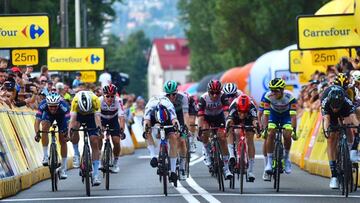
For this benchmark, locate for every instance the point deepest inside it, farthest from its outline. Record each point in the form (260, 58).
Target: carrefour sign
(327, 31)
(76, 59)
(24, 31)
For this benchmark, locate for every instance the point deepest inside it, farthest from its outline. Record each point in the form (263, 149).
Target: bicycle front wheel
(278, 167)
(346, 168)
(219, 170)
(107, 165)
(86, 164)
(188, 157)
(164, 167)
(242, 166)
(53, 166)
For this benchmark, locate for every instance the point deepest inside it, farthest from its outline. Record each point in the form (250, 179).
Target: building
(169, 60)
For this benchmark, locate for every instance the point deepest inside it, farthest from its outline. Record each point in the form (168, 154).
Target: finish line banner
(76, 59)
(327, 31)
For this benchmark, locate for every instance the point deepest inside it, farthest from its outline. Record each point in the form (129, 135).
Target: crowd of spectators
(311, 93)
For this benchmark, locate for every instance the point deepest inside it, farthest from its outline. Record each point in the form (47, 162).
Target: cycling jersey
(234, 114)
(95, 104)
(193, 109)
(210, 107)
(116, 108)
(262, 101)
(347, 108)
(181, 105)
(61, 116)
(154, 101)
(285, 104)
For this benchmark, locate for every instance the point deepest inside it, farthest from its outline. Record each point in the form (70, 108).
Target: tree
(224, 34)
(130, 57)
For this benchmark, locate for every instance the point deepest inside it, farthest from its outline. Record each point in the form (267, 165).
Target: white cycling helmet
(230, 88)
(53, 99)
(84, 101)
(356, 75)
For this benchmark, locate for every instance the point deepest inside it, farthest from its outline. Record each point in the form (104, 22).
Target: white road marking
(185, 193)
(196, 161)
(144, 157)
(201, 190)
(179, 195)
(194, 157)
(259, 156)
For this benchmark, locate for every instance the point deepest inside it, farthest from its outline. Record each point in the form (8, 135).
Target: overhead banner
(24, 57)
(327, 31)
(76, 59)
(24, 31)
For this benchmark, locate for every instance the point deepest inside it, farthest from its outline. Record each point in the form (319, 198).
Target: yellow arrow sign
(24, 31)
(327, 31)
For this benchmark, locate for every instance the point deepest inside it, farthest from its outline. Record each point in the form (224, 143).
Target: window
(169, 47)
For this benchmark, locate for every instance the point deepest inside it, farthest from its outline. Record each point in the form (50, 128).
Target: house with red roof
(168, 60)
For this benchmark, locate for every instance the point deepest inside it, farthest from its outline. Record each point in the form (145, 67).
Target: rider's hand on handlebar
(122, 134)
(294, 135)
(37, 137)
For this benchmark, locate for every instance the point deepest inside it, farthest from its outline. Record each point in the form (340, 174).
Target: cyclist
(266, 177)
(213, 106)
(112, 114)
(231, 91)
(50, 109)
(279, 109)
(85, 108)
(356, 88)
(193, 110)
(181, 104)
(243, 111)
(335, 105)
(159, 109)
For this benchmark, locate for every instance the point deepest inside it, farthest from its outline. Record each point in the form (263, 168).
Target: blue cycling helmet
(162, 115)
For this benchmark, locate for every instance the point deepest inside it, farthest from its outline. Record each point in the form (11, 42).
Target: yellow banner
(24, 31)
(76, 59)
(327, 31)
(88, 76)
(24, 56)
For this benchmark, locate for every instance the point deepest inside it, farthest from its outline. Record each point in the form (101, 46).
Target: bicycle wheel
(346, 168)
(164, 168)
(188, 157)
(278, 161)
(86, 164)
(242, 166)
(53, 166)
(356, 176)
(107, 164)
(220, 171)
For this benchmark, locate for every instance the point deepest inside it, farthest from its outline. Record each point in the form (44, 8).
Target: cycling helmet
(243, 103)
(214, 86)
(53, 99)
(162, 115)
(336, 97)
(110, 89)
(85, 101)
(341, 80)
(277, 83)
(170, 86)
(230, 88)
(356, 75)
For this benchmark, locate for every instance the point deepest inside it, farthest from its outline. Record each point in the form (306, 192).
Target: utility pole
(77, 24)
(64, 33)
(6, 6)
(84, 23)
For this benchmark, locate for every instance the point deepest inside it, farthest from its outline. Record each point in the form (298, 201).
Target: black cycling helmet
(337, 98)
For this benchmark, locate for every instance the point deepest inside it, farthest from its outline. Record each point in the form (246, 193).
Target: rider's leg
(182, 151)
(63, 144)
(117, 146)
(332, 141)
(75, 140)
(45, 138)
(270, 146)
(94, 142)
(173, 151)
(205, 140)
(192, 130)
(230, 145)
(251, 149)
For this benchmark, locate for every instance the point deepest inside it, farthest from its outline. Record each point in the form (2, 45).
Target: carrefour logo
(92, 59)
(33, 31)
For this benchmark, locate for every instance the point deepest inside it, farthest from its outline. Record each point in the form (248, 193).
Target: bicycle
(241, 157)
(185, 132)
(217, 163)
(343, 164)
(85, 161)
(163, 158)
(107, 157)
(54, 163)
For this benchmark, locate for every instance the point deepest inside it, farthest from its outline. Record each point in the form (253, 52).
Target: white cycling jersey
(154, 101)
(115, 109)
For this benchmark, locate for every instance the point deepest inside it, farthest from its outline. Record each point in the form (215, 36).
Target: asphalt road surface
(138, 182)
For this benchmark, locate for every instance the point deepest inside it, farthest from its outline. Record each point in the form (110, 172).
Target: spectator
(77, 80)
(3, 63)
(105, 78)
(44, 71)
(29, 70)
(3, 76)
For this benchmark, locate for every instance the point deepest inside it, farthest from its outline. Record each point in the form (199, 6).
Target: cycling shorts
(89, 119)
(215, 121)
(113, 125)
(279, 118)
(61, 121)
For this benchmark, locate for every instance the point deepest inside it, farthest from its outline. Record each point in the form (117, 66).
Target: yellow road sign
(327, 31)
(76, 59)
(88, 76)
(24, 31)
(24, 56)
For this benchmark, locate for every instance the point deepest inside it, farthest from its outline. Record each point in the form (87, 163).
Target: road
(138, 182)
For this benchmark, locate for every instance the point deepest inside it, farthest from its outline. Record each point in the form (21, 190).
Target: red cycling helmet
(110, 89)
(214, 86)
(243, 103)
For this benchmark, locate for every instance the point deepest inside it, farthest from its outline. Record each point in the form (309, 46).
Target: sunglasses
(110, 96)
(172, 94)
(53, 107)
(214, 93)
(231, 95)
(43, 81)
(276, 90)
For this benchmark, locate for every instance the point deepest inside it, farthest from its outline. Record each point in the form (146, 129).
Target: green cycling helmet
(170, 86)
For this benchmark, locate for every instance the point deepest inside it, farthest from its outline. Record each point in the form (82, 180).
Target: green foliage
(224, 34)
(130, 57)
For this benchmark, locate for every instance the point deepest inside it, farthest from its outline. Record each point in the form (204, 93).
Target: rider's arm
(201, 111)
(326, 116)
(225, 105)
(73, 115)
(293, 107)
(185, 108)
(39, 114)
